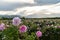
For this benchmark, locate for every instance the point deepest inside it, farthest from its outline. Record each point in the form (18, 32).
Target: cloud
(47, 10)
(46, 2)
(40, 9)
(29, 8)
(43, 15)
(11, 6)
(35, 11)
(55, 9)
(21, 1)
(7, 13)
(32, 10)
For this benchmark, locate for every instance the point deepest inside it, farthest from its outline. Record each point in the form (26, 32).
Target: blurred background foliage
(47, 26)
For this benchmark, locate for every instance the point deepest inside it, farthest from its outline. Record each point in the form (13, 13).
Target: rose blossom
(16, 21)
(23, 29)
(58, 26)
(38, 33)
(2, 26)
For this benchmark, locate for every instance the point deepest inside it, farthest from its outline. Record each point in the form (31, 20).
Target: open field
(50, 29)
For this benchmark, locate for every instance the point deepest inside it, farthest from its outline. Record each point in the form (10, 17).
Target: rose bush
(20, 29)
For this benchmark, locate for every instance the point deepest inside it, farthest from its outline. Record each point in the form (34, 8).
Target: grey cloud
(46, 2)
(11, 6)
(43, 15)
(36, 16)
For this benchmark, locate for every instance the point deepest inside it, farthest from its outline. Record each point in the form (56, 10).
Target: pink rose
(38, 33)
(2, 26)
(23, 29)
(16, 21)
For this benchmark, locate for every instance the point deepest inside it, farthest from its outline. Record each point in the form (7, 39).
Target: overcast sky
(30, 8)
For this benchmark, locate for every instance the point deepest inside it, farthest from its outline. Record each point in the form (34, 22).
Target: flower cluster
(2, 26)
(32, 30)
(23, 28)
